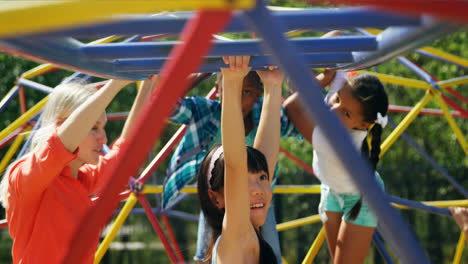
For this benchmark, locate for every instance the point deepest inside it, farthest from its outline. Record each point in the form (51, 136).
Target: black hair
(256, 162)
(251, 77)
(371, 94)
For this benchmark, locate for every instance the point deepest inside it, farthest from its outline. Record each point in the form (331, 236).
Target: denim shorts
(342, 203)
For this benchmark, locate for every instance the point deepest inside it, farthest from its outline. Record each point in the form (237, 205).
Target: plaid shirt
(203, 119)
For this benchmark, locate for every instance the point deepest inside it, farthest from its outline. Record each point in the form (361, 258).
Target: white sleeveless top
(328, 167)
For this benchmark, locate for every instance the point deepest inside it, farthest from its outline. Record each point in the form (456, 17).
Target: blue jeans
(269, 233)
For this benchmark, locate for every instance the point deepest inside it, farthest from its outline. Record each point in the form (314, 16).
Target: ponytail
(372, 142)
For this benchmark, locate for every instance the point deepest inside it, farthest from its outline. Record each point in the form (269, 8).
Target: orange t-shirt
(45, 202)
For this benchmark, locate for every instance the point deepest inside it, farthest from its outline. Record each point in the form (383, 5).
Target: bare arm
(77, 126)
(237, 202)
(267, 139)
(144, 92)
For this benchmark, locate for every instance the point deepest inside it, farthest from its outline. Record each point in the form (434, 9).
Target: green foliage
(405, 172)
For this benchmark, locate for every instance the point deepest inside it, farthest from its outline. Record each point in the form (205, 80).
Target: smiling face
(91, 147)
(348, 108)
(260, 197)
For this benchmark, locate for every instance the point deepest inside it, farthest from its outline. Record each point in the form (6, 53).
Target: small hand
(271, 78)
(460, 214)
(238, 67)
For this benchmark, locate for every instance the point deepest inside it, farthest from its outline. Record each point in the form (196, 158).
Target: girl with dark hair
(234, 181)
(361, 104)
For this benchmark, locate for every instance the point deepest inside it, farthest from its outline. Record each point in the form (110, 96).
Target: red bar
(453, 10)
(458, 95)
(173, 239)
(22, 100)
(174, 80)
(455, 106)
(166, 150)
(298, 161)
(3, 224)
(157, 227)
(10, 137)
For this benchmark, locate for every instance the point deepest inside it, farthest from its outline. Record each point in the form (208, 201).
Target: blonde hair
(61, 103)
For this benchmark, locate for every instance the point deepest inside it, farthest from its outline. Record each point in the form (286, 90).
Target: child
(234, 183)
(361, 104)
(203, 118)
(47, 190)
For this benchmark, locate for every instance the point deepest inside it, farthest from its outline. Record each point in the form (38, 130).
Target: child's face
(348, 108)
(91, 147)
(250, 94)
(260, 197)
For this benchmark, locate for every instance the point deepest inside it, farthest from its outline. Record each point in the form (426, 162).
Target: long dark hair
(256, 162)
(371, 94)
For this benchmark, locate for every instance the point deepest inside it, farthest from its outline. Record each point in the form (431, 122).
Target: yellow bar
(115, 228)
(279, 189)
(453, 125)
(405, 123)
(314, 249)
(284, 260)
(12, 150)
(460, 247)
(400, 80)
(440, 204)
(298, 222)
(294, 33)
(23, 119)
(447, 56)
(29, 16)
(452, 82)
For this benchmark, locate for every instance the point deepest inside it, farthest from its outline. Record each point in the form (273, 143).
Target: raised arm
(267, 139)
(236, 190)
(77, 126)
(144, 92)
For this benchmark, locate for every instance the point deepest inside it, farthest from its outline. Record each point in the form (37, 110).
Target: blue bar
(317, 18)
(183, 215)
(432, 161)
(381, 248)
(35, 85)
(225, 48)
(213, 64)
(398, 40)
(395, 229)
(419, 206)
(64, 53)
(8, 97)
(420, 72)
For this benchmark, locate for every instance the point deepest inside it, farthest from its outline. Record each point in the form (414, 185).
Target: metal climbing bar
(12, 150)
(438, 54)
(314, 249)
(379, 245)
(317, 18)
(8, 97)
(424, 111)
(198, 36)
(25, 17)
(458, 133)
(434, 164)
(224, 48)
(35, 85)
(271, 31)
(460, 247)
(157, 227)
(405, 123)
(419, 206)
(23, 119)
(213, 64)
